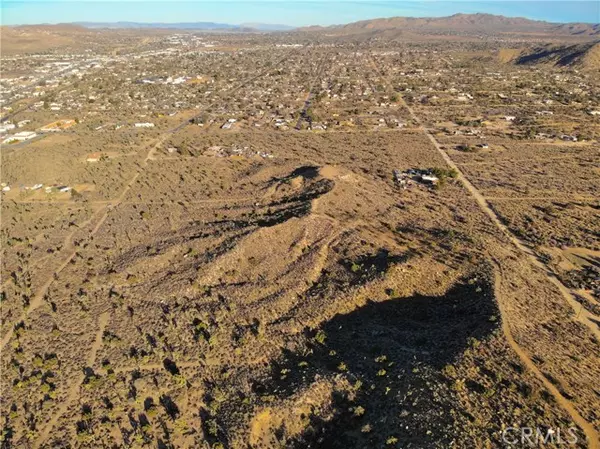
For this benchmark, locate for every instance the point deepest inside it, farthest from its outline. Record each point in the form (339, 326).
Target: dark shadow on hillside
(393, 352)
(561, 55)
(306, 171)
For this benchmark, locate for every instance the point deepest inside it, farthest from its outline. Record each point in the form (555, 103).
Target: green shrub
(320, 337)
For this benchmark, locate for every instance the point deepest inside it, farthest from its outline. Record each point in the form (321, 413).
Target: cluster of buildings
(54, 188)
(323, 88)
(522, 102)
(414, 176)
(236, 151)
(20, 137)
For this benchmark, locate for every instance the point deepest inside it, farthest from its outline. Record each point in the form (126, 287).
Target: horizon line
(79, 22)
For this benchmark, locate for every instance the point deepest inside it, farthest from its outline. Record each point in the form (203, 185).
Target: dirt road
(580, 314)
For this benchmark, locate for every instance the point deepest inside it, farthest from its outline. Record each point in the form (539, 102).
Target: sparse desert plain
(378, 235)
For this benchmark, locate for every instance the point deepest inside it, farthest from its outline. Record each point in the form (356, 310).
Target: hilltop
(37, 37)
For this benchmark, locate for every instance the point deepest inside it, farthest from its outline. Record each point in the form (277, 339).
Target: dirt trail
(73, 392)
(540, 198)
(41, 293)
(110, 205)
(67, 244)
(496, 162)
(581, 315)
(588, 428)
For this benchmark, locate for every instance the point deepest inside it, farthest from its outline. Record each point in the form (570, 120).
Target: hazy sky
(296, 13)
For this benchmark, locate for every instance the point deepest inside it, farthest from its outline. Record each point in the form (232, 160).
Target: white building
(144, 125)
(7, 126)
(20, 136)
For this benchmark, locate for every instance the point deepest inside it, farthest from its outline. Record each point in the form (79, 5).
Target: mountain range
(461, 23)
(188, 26)
(31, 38)
(485, 23)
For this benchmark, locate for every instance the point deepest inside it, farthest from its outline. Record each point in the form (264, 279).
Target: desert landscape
(384, 234)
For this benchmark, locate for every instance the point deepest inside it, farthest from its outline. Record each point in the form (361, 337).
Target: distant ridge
(187, 26)
(267, 26)
(461, 22)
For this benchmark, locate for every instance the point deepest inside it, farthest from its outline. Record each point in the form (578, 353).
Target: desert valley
(384, 234)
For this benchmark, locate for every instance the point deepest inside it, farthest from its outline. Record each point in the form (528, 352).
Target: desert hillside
(38, 38)
(583, 56)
